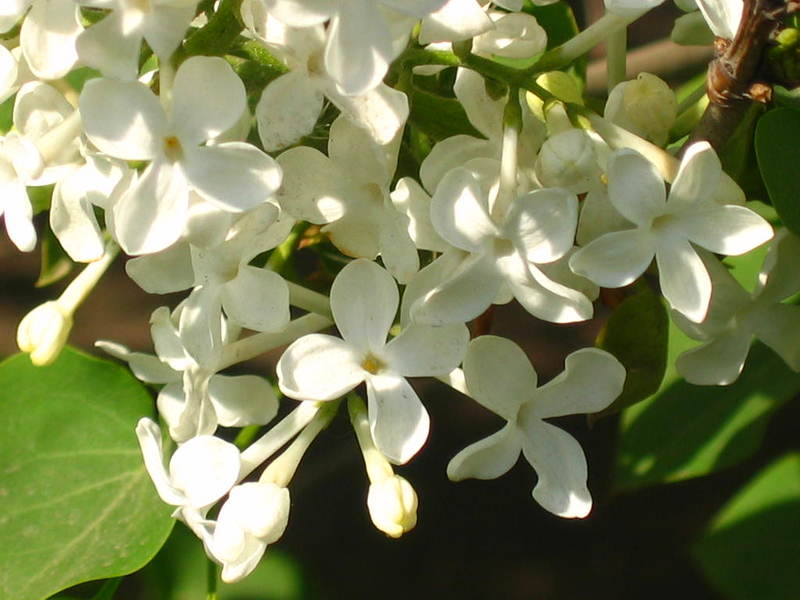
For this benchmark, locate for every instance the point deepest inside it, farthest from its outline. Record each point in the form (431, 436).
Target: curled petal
(398, 421)
(319, 367)
(488, 458)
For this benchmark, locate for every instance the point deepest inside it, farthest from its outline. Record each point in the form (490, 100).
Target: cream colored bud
(392, 504)
(569, 160)
(645, 106)
(43, 332)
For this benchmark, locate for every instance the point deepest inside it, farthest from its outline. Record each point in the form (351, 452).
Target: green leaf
(777, 133)
(686, 431)
(76, 503)
(738, 156)
(637, 335)
(751, 548)
(440, 117)
(559, 22)
(178, 573)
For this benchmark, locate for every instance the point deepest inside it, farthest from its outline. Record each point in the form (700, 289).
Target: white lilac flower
(348, 191)
(254, 515)
(496, 261)
(486, 115)
(500, 377)
(364, 300)
(668, 226)
(736, 316)
(201, 471)
(40, 151)
(112, 45)
(291, 104)
(361, 36)
(125, 120)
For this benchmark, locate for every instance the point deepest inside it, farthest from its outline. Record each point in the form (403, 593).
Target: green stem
(616, 58)
(212, 577)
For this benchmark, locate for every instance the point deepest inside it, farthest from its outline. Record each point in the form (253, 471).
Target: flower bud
(43, 332)
(392, 504)
(644, 106)
(569, 160)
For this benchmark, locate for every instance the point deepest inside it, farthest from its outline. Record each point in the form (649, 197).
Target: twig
(732, 74)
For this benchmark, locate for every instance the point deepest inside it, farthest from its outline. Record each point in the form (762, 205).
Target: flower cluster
(158, 154)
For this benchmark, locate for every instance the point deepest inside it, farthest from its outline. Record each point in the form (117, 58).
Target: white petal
(359, 47)
(397, 249)
(257, 299)
(398, 421)
(488, 458)
(242, 400)
(204, 468)
(698, 176)
(427, 351)
(615, 259)
(352, 148)
(288, 110)
(39, 108)
(151, 215)
(200, 325)
(311, 189)
(543, 223)
(149, 436)
(428, 278)
(18, 214)
(722, 16)
(635, 187)
(560, 464)
(483, 111)
(779, 277)
(451, 153)
(319, 367)
(145, 367)
(460, 211)
(457, 20)
(74, 224)
(685, 282)
(301, 13)
(207, 99)
(464, 295)
(382, 111)
(728, 229)
(414, 8)
(516, 35)
(409, 198)
(778, 326)
(105, 46)
(592, 379)
(499, 375)
(47, 38)
(364, 301)
(164, 26)
(123, 119)
(718, 362)
(541, 296)
(235, 175)
(164, 272)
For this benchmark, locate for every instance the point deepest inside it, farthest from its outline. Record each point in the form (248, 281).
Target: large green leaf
(75, 500)
(776, 138)
(686, 431)
(637, 335)
(751, 548)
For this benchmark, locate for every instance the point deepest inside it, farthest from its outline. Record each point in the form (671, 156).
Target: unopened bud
(43, 332)
(392, 504)
(569, 160)
(645, 106)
